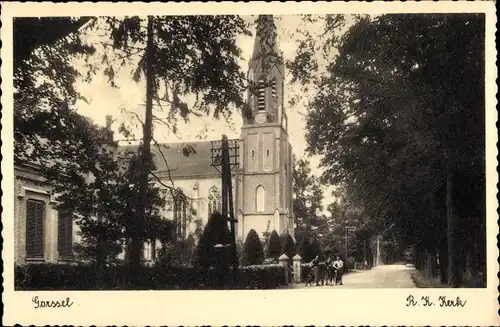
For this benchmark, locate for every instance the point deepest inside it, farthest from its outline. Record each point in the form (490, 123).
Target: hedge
(78, 277)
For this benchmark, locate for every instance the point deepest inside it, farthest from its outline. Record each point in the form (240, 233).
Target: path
(390, 276)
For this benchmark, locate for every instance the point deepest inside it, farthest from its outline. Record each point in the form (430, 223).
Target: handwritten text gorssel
(51, 303)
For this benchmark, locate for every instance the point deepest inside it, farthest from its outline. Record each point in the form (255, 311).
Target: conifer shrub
(288, 246)
(273, 250)
(253, 253)
(216, 231)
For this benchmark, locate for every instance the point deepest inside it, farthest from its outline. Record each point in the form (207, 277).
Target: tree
(273, 249)
(402, 130)
(181, 54)
(266, 234)
(253, 253)
(308, 195)
(44, 78)
(177, 55)
(32, 33)
(98, 189)
(308, 248)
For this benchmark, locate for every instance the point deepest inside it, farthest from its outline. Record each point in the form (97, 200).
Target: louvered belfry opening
(261, 104)
(35, 216)
(273, 88)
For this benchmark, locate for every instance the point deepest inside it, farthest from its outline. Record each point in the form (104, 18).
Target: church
(261, 179)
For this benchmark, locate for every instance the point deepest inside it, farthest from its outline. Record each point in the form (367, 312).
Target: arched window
(260, 198)
(180, 213)
(214, 200)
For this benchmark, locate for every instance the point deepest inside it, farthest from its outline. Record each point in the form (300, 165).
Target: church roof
(187, 159)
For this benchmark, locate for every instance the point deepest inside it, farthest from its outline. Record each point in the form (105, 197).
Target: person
(328, 271)
(339, 267)
(314, 271)
(321, 273)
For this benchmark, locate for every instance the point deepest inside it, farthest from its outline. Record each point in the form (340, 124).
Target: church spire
(265, 74)
(265, 44)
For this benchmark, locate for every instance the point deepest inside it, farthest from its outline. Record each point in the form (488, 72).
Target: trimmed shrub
(253, 254)
(288, 246)
(74, 277)
(273, 249)
(216, 232)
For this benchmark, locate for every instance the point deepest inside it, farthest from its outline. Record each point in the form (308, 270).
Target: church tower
(265, 173)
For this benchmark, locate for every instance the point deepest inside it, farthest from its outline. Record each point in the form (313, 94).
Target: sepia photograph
(290, 153)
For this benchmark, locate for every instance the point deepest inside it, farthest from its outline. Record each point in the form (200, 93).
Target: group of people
(325, 272)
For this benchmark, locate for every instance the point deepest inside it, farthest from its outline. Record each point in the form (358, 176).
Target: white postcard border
(270, 307)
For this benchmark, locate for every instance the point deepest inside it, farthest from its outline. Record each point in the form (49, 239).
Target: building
(262, 181)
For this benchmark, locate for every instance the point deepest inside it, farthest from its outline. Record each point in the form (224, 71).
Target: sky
(105, 100)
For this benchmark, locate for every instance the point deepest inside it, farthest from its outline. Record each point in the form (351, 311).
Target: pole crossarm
(233, 147)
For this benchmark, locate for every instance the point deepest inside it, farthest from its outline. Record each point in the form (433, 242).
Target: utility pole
(226, 156)
(227, 181)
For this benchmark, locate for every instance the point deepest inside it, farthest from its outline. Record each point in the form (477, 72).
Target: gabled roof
(172, 156)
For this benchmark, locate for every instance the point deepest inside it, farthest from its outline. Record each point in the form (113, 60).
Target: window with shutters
(35, 216)
(65, 234)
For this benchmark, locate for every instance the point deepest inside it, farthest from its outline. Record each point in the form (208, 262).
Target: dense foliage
(176, 55)
(308, 248)
(308, 195)
(99, 188)
(399, 118)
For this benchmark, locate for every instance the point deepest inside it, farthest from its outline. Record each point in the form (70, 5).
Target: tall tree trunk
(434, 272)
(419, 257)
(427, 260)
(443, 260)
(454, 271)
(145, 165)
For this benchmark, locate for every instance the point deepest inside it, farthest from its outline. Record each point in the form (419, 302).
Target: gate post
(297, 268)
(283, 259)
